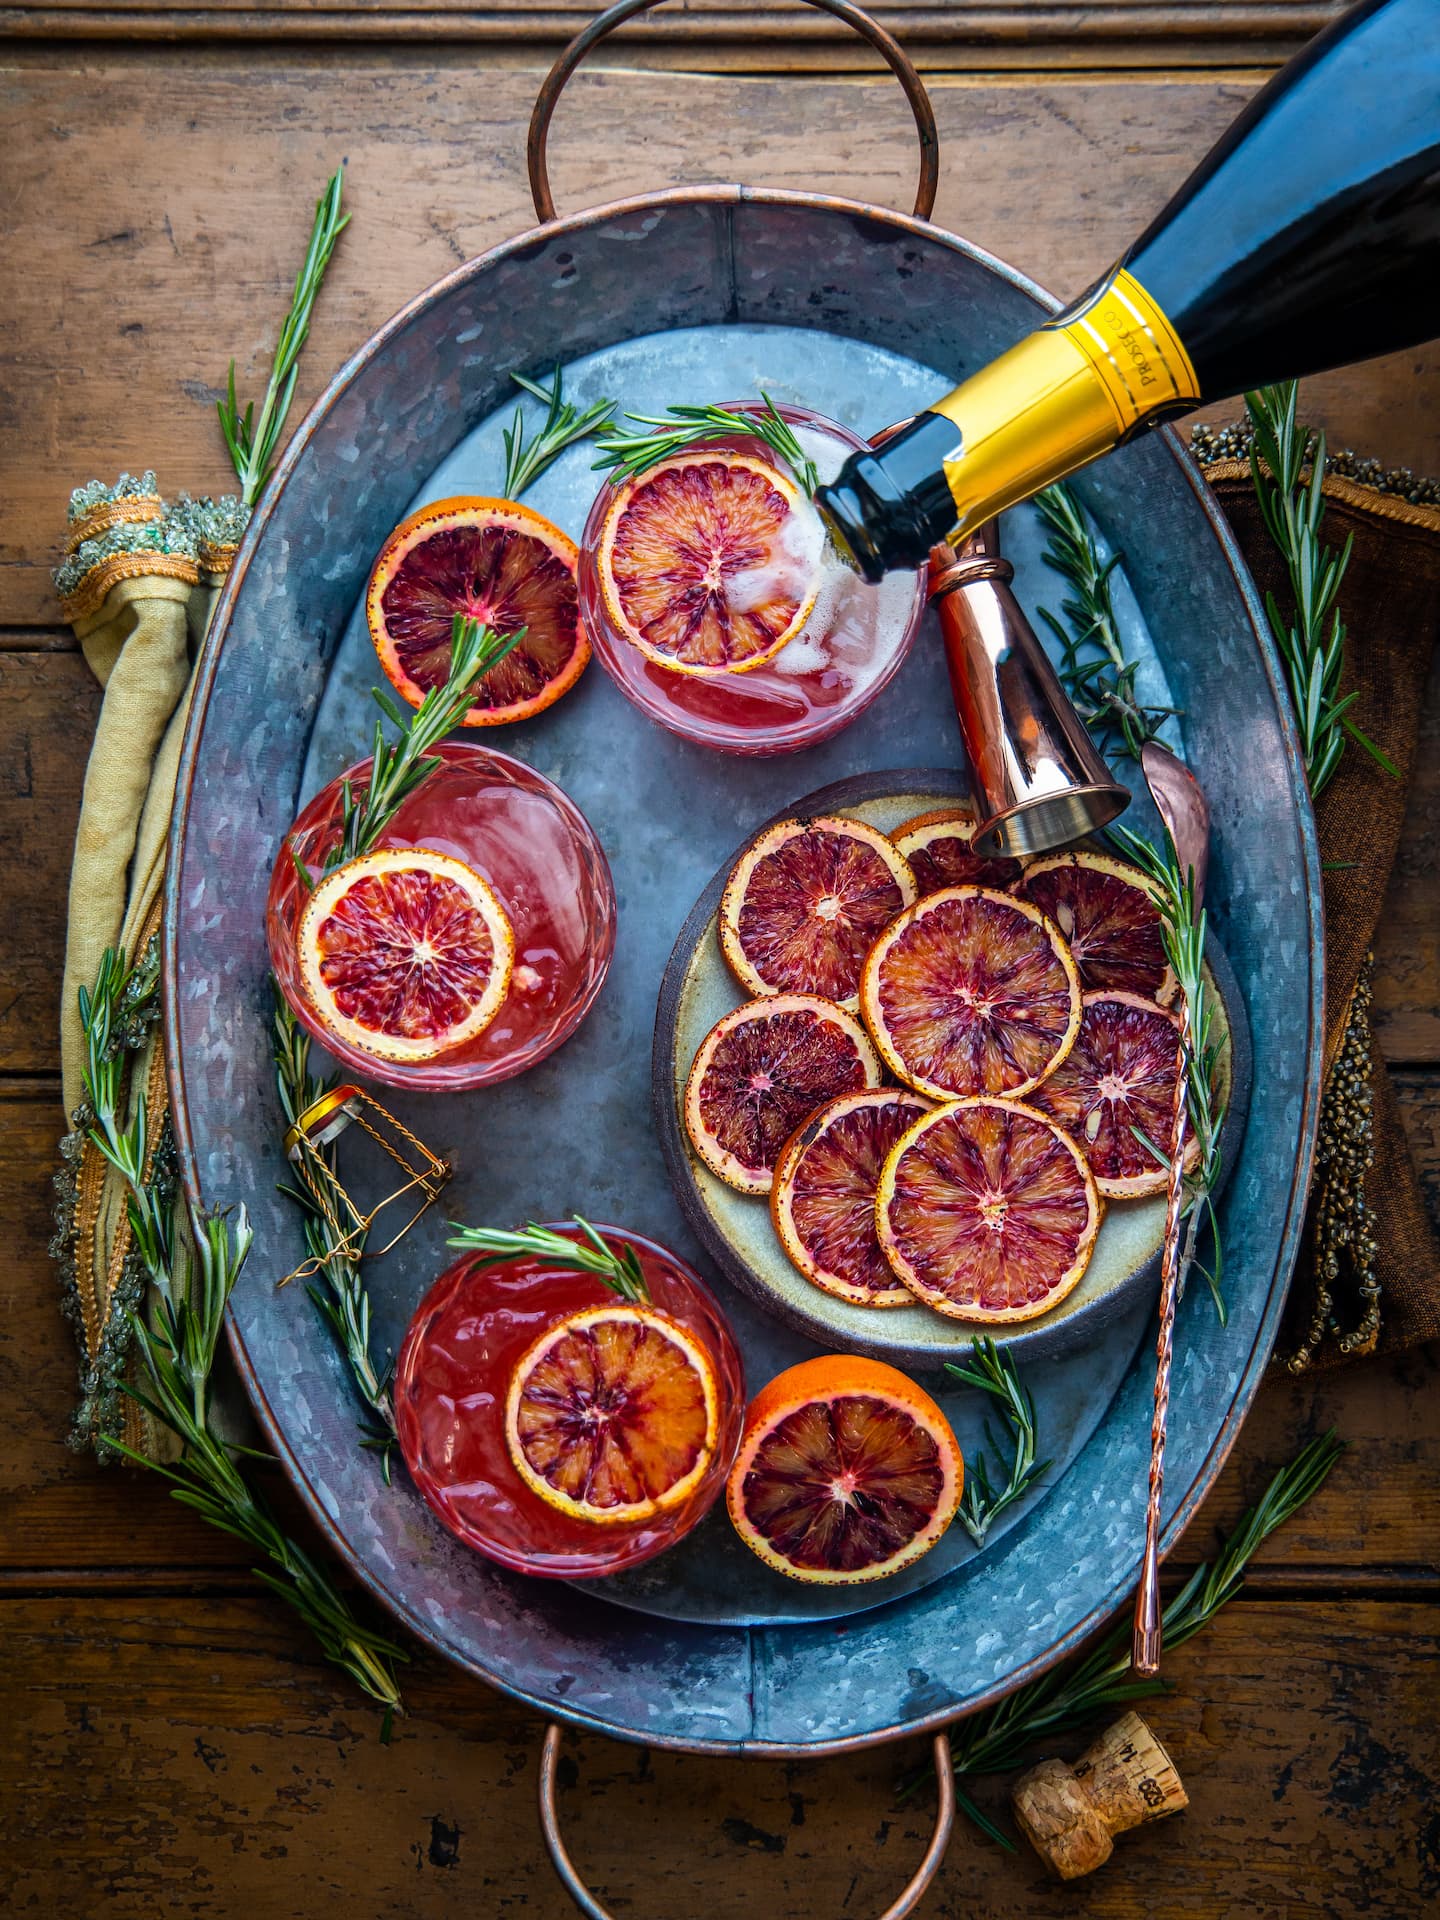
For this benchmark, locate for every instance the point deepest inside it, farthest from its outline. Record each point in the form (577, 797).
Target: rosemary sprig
(252, 442)
(526, 460)
(993, 1371)
(1312, 644)
(343, 1300)
(398, 767)
(1097, 674)
(630, 454)
(619, 1268)
(177, 1348)
(1084, 1686)
(1182, 931)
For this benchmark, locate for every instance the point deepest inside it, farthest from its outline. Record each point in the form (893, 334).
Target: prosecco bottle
(1307, 238)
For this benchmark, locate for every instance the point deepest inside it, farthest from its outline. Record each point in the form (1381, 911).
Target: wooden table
(175, 1745)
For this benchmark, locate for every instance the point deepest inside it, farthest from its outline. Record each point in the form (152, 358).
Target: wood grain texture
(62, 1515)
(226, 1776)
(995, 32)
(50, 702)
(185, 181)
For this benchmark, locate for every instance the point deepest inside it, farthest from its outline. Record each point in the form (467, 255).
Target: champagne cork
(1070, 1814)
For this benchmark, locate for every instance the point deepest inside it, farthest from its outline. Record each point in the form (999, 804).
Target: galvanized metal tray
(696, 294)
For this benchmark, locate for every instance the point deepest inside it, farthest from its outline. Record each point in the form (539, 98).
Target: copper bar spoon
(1182, 807)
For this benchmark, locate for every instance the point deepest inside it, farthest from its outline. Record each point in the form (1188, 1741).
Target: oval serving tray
(735, 1228)
(703, 294)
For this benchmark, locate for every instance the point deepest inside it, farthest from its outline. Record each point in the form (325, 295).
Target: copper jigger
(1039, 783)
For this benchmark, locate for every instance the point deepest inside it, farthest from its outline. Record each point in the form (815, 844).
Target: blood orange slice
(612, 1415)
(709, 563)
(1117, 1079)
(971, 992)
(937, 845)
(823, 1199)
(761, 1072)
(846, 1472)
(504, 565)
(1107, 913)
(805, 904)
(987, 1211)
(405, 953)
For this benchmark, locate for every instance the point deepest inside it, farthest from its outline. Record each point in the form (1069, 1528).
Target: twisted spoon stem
(1145, 1652)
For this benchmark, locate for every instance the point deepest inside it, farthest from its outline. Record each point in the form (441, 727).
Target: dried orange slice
(612, 1415)
(987, 1211)
(405, 953)
(805, 904)
(970, 992)
(504, 565)
(761, 1072)
(823, 1199)
(1106, 910)
(846, 1472)
(1116, 1083)
(710, 562)
(937, 845)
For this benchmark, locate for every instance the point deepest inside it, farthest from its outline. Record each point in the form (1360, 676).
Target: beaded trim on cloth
(97, 1296)
(1224, 453)
(1342, 1236)
(127, 531)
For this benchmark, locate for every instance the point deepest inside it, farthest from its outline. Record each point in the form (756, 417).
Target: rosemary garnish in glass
(630, 454)
(1088, 1684)
(398, 767)
(193, 1276)
(1312, 644)
(526, 460)
(993, 1371)
(617, 1267)
(252, 442)
(1182, 930)
(1096, 671)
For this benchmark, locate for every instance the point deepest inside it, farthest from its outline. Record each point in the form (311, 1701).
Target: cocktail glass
(850, 648)
(539, 853)
(451, 1382)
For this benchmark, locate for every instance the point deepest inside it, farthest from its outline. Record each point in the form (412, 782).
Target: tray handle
(889, 49)
(905, 1902)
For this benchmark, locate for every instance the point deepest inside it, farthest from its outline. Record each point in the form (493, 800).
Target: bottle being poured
(1308, 238)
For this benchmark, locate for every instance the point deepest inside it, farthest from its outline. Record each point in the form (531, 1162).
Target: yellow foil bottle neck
(1064, 395)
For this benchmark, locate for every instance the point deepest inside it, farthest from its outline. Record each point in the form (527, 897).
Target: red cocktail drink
(455, 1368)
(536, 850)
(733, 559)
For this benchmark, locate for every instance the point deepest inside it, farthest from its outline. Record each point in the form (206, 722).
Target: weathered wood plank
(50, 701)
(61, 1514)
(227, 1772)
(183, 224)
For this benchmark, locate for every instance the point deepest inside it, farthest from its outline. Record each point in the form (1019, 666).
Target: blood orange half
(1107, 913)
(987, 1211)
(612, 1415)
(970, 992)
(502, 564)
(709, 563)
(937, 845)
(405, 953)
(805, 904)
(823, 1199)
(1116, 1082)
(846, 1472)
(761, 1072)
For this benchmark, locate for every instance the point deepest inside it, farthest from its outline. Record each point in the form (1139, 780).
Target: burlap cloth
(139, 583)
(1390, 601)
